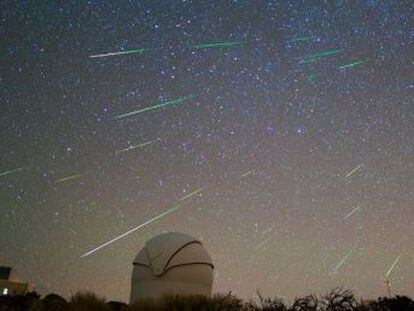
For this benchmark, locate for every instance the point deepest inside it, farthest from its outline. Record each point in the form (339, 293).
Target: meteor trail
(311, 76)
(163, 104)
(139, 51)
(165, 213)
(356, 169)
(343, 260)
(68, 178)
(247, 173)
(261, 244)
(301, 39)
(353, 64)
(11, 171)
(393, 265)
(216, 45)
(327, 53)
(191, 194)
(314, 57)
(356, 209)
(269, 229)
(138, 146)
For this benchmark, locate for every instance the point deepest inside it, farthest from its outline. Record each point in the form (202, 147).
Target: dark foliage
(339, 300)
(190, 303)
(117, 306)
(53, 302)
(397, 303)
(336, 300)
(308, 303)
(266, 304)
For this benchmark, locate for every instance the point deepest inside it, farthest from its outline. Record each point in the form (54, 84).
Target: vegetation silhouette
(338, 299)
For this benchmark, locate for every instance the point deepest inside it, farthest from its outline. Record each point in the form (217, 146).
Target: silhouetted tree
(117, 306)
(397, 303)
(308, 303)
(29, 301)
(339, 300)
(53, 302)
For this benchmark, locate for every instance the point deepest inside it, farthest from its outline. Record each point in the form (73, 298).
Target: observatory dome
(171, 263)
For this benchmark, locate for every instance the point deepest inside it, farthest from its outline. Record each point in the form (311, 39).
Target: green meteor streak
(356, 169)
(138, 146)
(247, 174)
(301, 39)
(343, 260)
(139, 51)
(11, 171)
(318, 56)
(216, 45)
(327, 53)
(353, 64)
(312, 76)
(164, 104)
(68, 178)
(191, 194)
(393, 265)
(356, 209)
(161, 215)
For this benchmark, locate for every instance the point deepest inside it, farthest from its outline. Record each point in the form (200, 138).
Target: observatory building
(10, 283)
(171, 264)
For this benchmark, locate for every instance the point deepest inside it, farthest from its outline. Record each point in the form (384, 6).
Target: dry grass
(336, 300)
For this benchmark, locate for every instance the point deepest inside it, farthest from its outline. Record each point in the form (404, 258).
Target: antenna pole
(388, 285)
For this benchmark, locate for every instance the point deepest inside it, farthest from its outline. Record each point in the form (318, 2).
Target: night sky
(292, 120)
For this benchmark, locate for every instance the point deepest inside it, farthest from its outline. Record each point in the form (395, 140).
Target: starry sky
(297, 135)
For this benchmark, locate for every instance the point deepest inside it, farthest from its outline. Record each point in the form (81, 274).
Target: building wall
(12, 288)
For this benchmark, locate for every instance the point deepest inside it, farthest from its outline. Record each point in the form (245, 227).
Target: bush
(190, 303)
(339, 300)
(336, 300)
(308, 303)
(87, 301)
(53, 302)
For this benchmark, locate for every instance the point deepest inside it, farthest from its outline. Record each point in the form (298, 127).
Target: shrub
(87, 301)
(339, 300)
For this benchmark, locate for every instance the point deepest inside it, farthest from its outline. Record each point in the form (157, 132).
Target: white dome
(171, 263)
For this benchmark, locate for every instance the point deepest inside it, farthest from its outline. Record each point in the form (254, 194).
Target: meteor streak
(138, 146)
(343, 260)
(355, 170)
(216, 45)
(247, 174)
(301, 39)
(139, 51)
(191, 194)
(269, 229)
(68, 178)
(353, 64)
(165, 213)
(263, 243)
(164, 104)
(356, 209)
(315, 57)
(312, 76)
(11, 171)
(393, 265)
